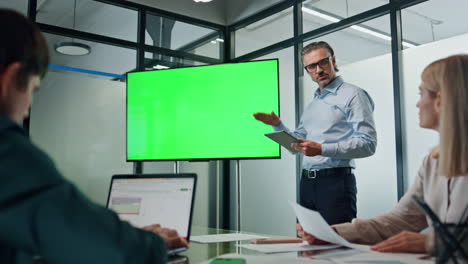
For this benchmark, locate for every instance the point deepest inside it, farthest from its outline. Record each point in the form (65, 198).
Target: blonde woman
(442, 179)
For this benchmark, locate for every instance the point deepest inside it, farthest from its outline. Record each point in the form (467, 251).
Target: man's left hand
(409, 242)
(308, 147)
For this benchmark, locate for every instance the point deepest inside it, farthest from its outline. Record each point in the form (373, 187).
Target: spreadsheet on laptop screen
(147, 201)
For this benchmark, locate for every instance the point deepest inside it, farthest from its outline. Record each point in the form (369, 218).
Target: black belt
(312, 174)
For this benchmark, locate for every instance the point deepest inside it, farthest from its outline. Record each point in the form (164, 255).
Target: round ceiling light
(72, 48)
(202, 1)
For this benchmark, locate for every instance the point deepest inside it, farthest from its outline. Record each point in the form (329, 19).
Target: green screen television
(202, 112)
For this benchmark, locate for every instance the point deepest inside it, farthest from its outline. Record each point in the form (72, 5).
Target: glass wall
(212, 49)
(160, 61)
(437, 24)
(359, 42)
(240, 10)
(90, 16)
(267, 186)
(102, 57)
(434, 20)
(264, 32)
(363, 54)
(79, 121)
(316, 14)
(82, 98)
(176, 35)
(368, 64)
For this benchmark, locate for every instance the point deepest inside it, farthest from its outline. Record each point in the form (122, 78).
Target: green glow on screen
(202, 112)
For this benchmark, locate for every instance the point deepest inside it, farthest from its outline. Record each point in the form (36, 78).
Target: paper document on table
(271, 259)
(314, 224)
(383, 258)
(224, 238)
(290, 247)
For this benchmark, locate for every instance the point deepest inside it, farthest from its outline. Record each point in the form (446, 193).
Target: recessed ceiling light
(72, 48)
(202, 1)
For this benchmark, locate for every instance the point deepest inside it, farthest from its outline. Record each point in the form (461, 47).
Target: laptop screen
(154, 199)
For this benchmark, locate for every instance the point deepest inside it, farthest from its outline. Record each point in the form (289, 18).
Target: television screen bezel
(199, 159)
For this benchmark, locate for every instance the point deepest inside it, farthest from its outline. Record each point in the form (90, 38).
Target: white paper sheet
(314, 224)
(338, 253)
(382, 258)
(224, 238)
(273, 259)
(289, 247)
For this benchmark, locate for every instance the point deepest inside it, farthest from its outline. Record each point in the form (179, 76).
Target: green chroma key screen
(202, 112)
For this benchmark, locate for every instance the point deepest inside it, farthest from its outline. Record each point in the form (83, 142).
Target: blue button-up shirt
(340, 118)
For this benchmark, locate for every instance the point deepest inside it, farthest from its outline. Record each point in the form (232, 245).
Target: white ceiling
(212, 11)
(224, 12)
(426, 22)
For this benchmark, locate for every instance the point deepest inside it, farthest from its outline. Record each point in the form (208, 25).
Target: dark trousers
(333, 196)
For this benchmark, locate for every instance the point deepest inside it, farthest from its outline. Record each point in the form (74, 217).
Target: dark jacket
(43, 214)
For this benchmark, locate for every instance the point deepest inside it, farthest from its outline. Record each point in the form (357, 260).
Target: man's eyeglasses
(313, 66)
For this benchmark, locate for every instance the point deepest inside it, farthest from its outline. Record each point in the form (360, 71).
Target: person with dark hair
(43, 216)
(335, 128)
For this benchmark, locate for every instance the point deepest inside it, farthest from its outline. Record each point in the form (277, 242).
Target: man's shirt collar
(330, 88)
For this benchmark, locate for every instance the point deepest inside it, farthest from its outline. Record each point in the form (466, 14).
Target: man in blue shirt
(335, 128)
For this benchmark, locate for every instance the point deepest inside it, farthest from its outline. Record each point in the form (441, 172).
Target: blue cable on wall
(67, 68)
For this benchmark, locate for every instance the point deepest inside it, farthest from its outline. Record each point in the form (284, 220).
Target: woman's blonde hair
(449, 76)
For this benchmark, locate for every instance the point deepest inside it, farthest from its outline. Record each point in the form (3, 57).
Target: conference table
(199, 253)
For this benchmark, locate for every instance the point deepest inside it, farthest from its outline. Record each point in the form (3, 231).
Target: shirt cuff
(280, 127)
(329, 150)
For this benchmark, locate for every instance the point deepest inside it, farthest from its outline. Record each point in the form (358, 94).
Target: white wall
(80, 122)
(419, 141)
(376, 175)
(18, 5)
(268, 185)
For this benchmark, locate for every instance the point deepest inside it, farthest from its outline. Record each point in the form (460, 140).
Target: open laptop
(146, 199)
